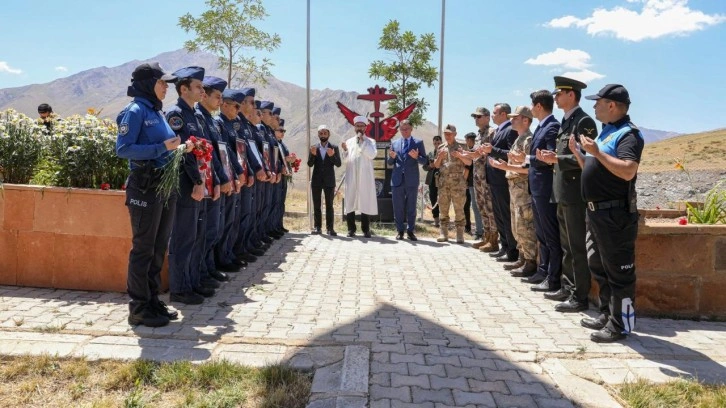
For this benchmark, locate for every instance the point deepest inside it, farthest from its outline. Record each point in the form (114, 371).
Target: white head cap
(360, 119)
(322, 127)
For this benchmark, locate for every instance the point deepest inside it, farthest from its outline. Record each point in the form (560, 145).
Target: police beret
(151, 71)
(233, 94)
(214, 83)
(248, 91)
(614, 92)
(282, 122)
(190, 72)
(257, 104)
(567, 84)
(276, 111)
(267, 105)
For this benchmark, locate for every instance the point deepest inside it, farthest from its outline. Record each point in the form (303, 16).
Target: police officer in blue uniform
(185, 121)
(260, 238)
(214, 208)
(609, 173)
(230, 123)
(267, 126)
(282, 191)
(145, 139)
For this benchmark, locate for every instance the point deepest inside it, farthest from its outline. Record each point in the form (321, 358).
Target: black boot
(145, 314)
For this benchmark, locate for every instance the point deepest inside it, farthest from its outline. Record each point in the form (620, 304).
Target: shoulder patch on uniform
(123, 129)
(175, 122)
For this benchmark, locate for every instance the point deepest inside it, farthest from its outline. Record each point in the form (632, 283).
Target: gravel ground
(663, 189)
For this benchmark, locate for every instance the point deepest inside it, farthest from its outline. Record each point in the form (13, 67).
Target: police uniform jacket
(185, 121)
(229, 134)
(567, 172)
(141, 134)
(214, 134)
(247, 132)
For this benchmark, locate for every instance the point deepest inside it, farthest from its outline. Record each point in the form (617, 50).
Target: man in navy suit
(540, 173)
(405, 155)
(324, 157)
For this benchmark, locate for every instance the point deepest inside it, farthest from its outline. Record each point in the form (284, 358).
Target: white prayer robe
(360, 184)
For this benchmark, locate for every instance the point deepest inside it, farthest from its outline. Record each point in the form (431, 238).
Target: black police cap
(614, 92)
(151, 71)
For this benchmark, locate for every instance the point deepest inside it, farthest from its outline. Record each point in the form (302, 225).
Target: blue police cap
(190, 72)
(214, 83)
(248, 91)
(276, 111)
(233, 94)
(267, 105)
(282, 122)
(257, 104)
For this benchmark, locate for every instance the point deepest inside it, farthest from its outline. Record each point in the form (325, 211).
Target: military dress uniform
(483, 195)
(452, 190)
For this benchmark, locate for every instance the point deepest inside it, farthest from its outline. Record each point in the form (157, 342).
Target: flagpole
(307, 85)
(441, 69)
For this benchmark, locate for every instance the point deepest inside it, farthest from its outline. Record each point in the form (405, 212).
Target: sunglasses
(280, 130)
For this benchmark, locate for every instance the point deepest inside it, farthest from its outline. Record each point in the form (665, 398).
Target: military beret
(276, 111)
(614, 92)
(190, 72)
(214, 83)
(257, 104)
(233, 94)
(564, 83)
(248, 91)
(267, 105)
(282, 122)
(151, 71)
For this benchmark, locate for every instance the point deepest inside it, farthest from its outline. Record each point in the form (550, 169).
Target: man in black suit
(323, 158)
(501, 143)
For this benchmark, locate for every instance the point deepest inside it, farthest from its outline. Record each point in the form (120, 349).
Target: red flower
(193, 139)
(683, 221)
(203, 166)
(123, 187)
(105, 186)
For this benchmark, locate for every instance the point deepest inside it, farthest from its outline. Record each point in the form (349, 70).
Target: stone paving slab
(443, 325)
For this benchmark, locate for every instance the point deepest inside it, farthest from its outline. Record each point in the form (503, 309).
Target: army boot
(492, 244)
(459, 234)
(444, 232)
(436, 222)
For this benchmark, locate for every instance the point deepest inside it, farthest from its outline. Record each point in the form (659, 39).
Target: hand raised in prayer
(413, 153)
(330, 151)
(314, 150)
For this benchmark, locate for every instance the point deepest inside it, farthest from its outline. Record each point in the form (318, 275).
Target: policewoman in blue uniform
(609, 173)
(146, 140)
(186, 121)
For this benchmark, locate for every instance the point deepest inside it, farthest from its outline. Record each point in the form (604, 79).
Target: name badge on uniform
(192, 127)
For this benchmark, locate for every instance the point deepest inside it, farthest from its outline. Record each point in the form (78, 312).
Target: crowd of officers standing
(211, 229)
(556, 206)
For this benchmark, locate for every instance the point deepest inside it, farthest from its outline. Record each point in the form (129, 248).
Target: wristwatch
(199, 182)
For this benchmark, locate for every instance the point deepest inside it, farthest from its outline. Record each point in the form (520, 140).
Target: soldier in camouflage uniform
(483, 196)
(450, 160)
(520, 200)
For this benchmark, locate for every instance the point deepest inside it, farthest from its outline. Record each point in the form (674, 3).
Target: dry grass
(679, 393)
(52, 382)
(700, 151)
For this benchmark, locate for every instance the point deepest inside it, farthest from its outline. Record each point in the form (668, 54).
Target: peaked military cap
(214, 83)
(564, 83)
(190, 72)
(614, 92)
(267, 105)
(234, 94)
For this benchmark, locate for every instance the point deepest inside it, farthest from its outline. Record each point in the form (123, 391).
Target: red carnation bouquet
(294, 162)
(202, 151)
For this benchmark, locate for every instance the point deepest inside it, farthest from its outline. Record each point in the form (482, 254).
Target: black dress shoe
(544, 286)
(255, 252)
(240, 263)
(226, 268)
(285, 230)
(221, 276)
(498, 253)
(506, 258)
(204, 291)
(535, 279)
(332, 233)
(597, 323)
(148, 317)
(399, 236)
(351, 234)
(163, 310)
(559, 296)
(412, 236)
(276, 235)
(570, 306)
(266, 240)
(247, 257)
(316, 231)
(606, 335)
(209, 283)
(367, 234)
(188, 298)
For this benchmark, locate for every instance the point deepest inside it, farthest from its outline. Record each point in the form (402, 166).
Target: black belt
(604, 205)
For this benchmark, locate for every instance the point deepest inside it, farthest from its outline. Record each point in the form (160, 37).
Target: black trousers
(503, 219)
(151, 223)
(434, 197)
(614, 231)
(548, 235)
(317, 211)
(575, 272)
(365, 222)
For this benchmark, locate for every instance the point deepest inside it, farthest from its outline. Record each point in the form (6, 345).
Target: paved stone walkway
(423, 324)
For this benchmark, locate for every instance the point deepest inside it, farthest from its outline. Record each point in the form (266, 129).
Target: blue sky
(666, 52)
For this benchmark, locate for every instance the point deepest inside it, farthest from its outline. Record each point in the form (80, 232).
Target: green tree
(409, 68)
(226, 30)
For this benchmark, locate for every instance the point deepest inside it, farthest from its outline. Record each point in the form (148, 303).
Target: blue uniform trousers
(223, 251)
(214, 219)
(261, 202)
(404, 206)
(548, 234)
(246, 217)
(197, 271)
(182, 243)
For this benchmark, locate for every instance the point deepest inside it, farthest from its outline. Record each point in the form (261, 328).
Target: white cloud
(573, 59)
(657, 18)
(4, 67)
(584, 75)
(61, 68)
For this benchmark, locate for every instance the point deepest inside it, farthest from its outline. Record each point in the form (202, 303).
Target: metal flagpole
(441, 69)
(307, 85)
